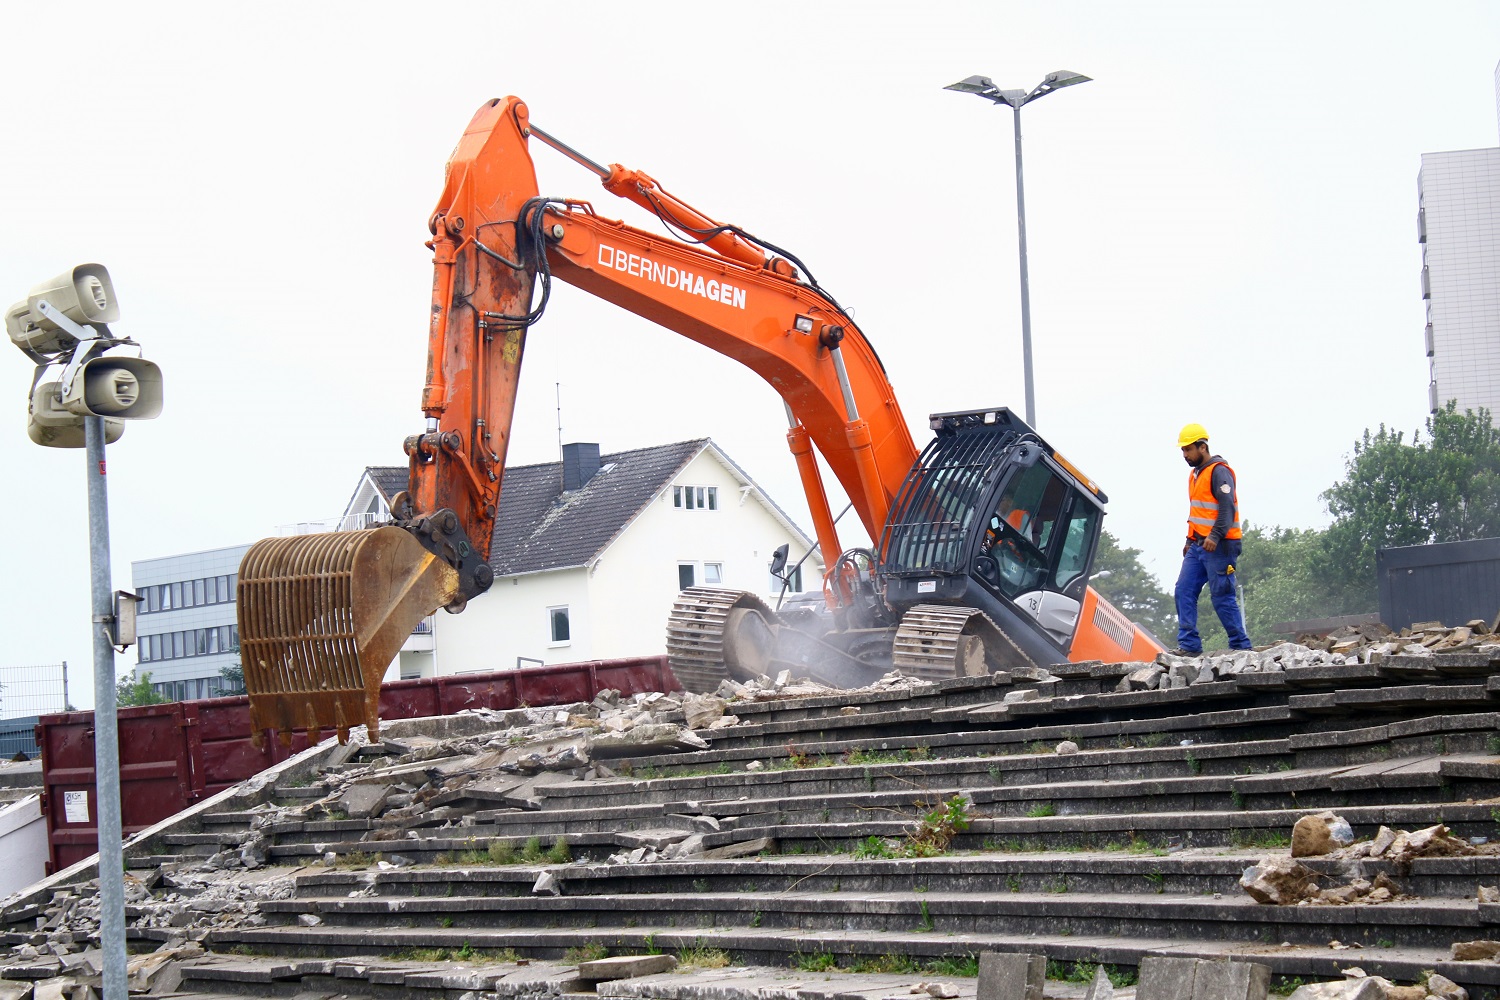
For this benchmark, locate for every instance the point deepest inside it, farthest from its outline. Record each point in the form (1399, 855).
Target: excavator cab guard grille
(322, 616)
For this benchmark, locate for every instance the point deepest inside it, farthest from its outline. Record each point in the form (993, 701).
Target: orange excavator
(984, 538)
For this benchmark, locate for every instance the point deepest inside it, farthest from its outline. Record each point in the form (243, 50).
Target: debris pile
(1357, 985)
(1351, 644)
(783, 685)
(1285, 881)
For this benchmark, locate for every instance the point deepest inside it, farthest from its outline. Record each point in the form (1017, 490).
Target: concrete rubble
(1285, 881)
(1348, 645)
(383, 809)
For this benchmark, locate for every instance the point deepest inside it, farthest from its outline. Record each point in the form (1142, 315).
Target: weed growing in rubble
(796, 757)
(1153, 740)
(817, 961)
(1236, 799)
(1157, 879)
(755, 919)
(960, 965)
(355, 859)
(445, 922)
(926, 926)
(875, 847)
(443, 858)
(1283, 986)
(1041, 810)
(1013, 883)
(1259, 838)
(531, 851)
(501, 852)
(907, 756)
(886, 965)
(591, 952)
(559, 853)
(1083, 972)
(1194, 765)
(1037, 746)
(996, 775)
(703, 957)
(938, 828)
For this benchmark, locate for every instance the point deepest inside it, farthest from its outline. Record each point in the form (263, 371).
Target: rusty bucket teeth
(322, 616)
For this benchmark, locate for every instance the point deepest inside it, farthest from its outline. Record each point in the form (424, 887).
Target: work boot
(1179, 651)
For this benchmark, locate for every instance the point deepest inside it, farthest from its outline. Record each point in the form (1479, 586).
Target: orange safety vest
(1203, 506)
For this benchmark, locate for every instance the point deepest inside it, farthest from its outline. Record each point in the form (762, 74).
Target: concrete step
(777, 947)
(1124, 871)
(1425, 923)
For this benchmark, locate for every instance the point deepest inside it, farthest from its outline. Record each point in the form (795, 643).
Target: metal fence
(36, 690)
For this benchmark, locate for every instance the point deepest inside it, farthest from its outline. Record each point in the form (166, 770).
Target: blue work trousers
(1217, 569)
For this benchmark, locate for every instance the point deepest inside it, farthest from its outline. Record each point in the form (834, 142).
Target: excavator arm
(321, 616)
(495, 239)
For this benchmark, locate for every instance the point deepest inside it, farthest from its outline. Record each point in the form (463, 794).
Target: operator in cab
(1213, 544)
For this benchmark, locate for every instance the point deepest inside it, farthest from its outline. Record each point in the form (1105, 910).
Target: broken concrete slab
(646, 739)
(365, 801)
(1011, 976)
(625, 967)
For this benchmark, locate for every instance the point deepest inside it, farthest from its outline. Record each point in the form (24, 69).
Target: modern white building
(187, 631)
(590, 552)
(1458, 225)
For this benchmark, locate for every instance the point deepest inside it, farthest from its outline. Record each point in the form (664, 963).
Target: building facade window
(713, 574)
(695, 497)
(686, 575)
(191, 642)
(560, 626)
(189, 593)
(191, 689)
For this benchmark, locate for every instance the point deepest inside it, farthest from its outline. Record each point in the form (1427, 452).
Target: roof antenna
(562, 476)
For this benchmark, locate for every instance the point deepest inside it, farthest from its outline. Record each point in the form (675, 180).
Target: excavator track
(716, 634)
(937, 642)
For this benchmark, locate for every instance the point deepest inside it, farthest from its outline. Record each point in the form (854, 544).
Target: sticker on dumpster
(76, 807)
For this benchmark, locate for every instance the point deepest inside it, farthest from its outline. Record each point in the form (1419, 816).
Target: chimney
(580, 462)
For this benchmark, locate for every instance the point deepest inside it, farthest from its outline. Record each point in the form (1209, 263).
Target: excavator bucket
(322, 616)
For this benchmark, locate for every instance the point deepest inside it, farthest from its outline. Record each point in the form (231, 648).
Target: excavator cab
(991, 519)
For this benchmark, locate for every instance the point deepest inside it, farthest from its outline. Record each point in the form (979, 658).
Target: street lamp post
(1015, 99)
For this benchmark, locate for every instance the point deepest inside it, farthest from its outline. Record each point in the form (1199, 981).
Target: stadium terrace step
(1131, 842)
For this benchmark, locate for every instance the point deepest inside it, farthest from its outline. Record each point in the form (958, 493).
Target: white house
(589, 554)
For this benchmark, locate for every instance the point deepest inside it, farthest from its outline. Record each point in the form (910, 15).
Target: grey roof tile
(538, 528)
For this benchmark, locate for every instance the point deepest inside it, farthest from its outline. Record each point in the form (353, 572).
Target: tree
(232, 679)
(1443, 489)
(1133, 589)
(1279, 569)
(140, 691)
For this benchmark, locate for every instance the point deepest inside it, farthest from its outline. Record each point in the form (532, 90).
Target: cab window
(1036, 524)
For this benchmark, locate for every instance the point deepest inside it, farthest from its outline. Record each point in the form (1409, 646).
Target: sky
(1221, 227)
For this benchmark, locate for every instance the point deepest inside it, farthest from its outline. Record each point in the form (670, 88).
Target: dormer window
(695, 497)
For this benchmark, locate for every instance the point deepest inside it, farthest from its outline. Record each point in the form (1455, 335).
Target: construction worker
(1213, 544)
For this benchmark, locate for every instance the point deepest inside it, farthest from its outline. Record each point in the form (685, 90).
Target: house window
(684, 576)
(561, 628)
(695, 497)
(713, 574)
(793, 582)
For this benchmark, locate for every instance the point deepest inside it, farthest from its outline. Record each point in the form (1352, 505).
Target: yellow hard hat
(1191, 434)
